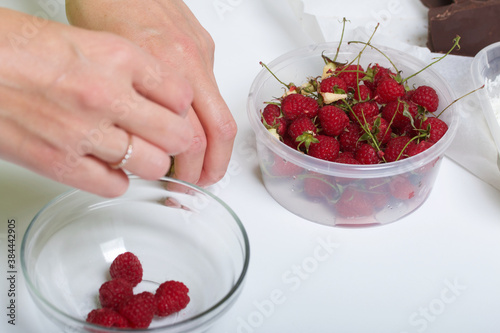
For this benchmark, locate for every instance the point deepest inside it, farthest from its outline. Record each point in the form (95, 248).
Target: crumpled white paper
(397, 20)
(473, 147)
(403, 26)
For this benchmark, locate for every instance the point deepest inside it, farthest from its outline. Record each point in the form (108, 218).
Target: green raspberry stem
(456, 100)
(378, 50)
(269, 70)
(341, 39)
(455, 44)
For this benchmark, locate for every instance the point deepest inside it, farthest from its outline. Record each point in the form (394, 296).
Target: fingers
(150, 151)
(147, 161)
(220, 130)
(156, 134)
(165, 87)
(93, 172)
(207, 157)
(62, 164)
(189, 165)
(93, 176)
(154, 123)
(139, 156)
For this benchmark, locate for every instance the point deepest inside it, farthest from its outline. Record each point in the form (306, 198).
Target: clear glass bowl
(285, 171)
(178, 231)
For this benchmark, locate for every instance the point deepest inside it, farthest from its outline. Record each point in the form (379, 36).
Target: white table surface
(437, 270)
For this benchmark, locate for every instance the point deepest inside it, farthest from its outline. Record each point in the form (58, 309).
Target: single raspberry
(128, 267)
(271, 112)
(388, 90)
(379, 191)
(333, 84)
(376, 74)
(426, 97)
(272, 118)
(287, 140)
(354, 203)
(399, 114)
(332, 120)
(420, 147)
(171, 297)
(294, 106)
(114, 292)
(301, 126)
(351, 74)
(366, 154)
(319, 186)
(410, 129)
(408, 95)
(380, 199)
(401, 188)
(107, 317)
(346, 158)
(284, 168)
(436, 127)
(380, 128)
(346, 154)
(362, 93)
(398, 148)
(350, 139)
(139, 309)
(327, 148)
(363, 111)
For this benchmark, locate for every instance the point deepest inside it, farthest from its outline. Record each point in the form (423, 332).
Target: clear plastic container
(485, 70)
(288, 174)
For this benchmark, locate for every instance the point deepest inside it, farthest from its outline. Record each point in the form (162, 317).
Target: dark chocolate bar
(477, 22)
(436, 3)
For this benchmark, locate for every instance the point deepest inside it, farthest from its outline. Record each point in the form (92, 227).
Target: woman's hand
(168, 30)
(70, 98)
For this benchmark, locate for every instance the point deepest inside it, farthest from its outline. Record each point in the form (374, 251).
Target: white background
(437, 270)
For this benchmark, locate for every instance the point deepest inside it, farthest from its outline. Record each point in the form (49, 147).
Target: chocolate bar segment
(477, 22)
(436, 3)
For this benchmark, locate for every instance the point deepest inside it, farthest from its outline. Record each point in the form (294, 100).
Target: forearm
(127, 16)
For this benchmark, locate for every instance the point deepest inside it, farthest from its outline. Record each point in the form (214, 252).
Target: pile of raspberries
(121, 308)
(356, 115)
